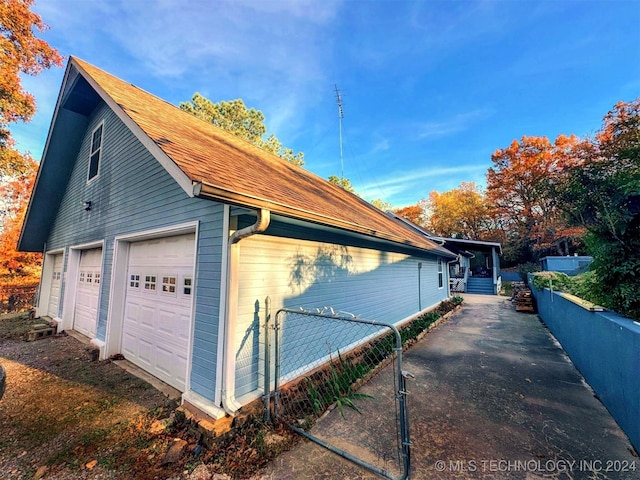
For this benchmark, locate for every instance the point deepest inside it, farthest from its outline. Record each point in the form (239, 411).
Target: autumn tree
(600, 192)
(413, 213)
(15, 198)
(246, 123)
(461, 213)
(518, 191)
(21, 53)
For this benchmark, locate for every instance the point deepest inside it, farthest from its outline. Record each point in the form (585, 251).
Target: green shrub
(526, 268)
(506, 289)
(457, 300)
(589, 286)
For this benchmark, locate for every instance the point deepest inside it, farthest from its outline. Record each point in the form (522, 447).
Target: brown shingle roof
(238, 172)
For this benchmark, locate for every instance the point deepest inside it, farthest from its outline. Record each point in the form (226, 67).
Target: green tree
(381, 204)
(342, 182)
(246, 123)
(601, 193)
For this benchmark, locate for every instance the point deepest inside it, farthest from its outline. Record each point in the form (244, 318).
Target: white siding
(369, 283)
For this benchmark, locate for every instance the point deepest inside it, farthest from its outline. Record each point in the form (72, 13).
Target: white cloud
(458, 123)
(407, 186)
(272, 54)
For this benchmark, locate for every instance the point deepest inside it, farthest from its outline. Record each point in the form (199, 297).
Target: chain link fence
(338, 380)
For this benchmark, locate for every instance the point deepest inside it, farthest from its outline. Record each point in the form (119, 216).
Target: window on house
(96, 152)
(440, 274)
(134, 281)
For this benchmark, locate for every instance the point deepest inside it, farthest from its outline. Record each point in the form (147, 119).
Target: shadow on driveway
(494, 397)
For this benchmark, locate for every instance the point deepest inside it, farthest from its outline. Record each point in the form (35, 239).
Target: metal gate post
(276, 380)
(267, 360)
(404, 415)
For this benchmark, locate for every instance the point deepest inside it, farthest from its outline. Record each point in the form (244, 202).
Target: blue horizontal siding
(134, 193)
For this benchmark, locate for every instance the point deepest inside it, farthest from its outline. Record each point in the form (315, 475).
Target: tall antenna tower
(340, 117)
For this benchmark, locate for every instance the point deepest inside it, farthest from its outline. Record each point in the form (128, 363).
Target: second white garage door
(157, 322)
(54, 292)
(88, 293)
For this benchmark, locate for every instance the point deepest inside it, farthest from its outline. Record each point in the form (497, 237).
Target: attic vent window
(96, 152)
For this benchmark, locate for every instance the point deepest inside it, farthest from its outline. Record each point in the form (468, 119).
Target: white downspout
(229, 402)
(457, 259)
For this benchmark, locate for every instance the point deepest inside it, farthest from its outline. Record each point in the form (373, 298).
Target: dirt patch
(65, 415)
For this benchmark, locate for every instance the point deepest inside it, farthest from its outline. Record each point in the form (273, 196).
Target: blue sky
(430, 88)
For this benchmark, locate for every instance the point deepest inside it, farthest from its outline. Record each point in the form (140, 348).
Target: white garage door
(157, 320)
(54, 291)
(86, 308)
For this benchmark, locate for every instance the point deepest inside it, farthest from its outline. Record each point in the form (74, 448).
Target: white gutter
(229, 401)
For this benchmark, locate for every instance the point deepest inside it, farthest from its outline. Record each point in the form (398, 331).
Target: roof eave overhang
(204, 190)
(466, 242)
(38, 244)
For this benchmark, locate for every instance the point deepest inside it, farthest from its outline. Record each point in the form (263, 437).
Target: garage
(157, 319)
(54, 290)
(88, 292)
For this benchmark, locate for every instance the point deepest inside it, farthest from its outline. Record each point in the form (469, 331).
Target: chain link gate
(323, 368)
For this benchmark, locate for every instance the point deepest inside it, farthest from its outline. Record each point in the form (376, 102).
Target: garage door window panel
(134, 281)
(150, 283)
(186, 286)
(169, 285)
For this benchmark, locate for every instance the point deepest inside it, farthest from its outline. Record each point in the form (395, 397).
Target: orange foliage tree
(21, 52)
(413, 213)
(17, 267)
(518, 190)
(461, 213)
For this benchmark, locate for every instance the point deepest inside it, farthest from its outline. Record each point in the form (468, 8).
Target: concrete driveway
(495, 397)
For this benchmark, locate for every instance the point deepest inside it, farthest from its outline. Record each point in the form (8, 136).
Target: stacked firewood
(522, 297)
